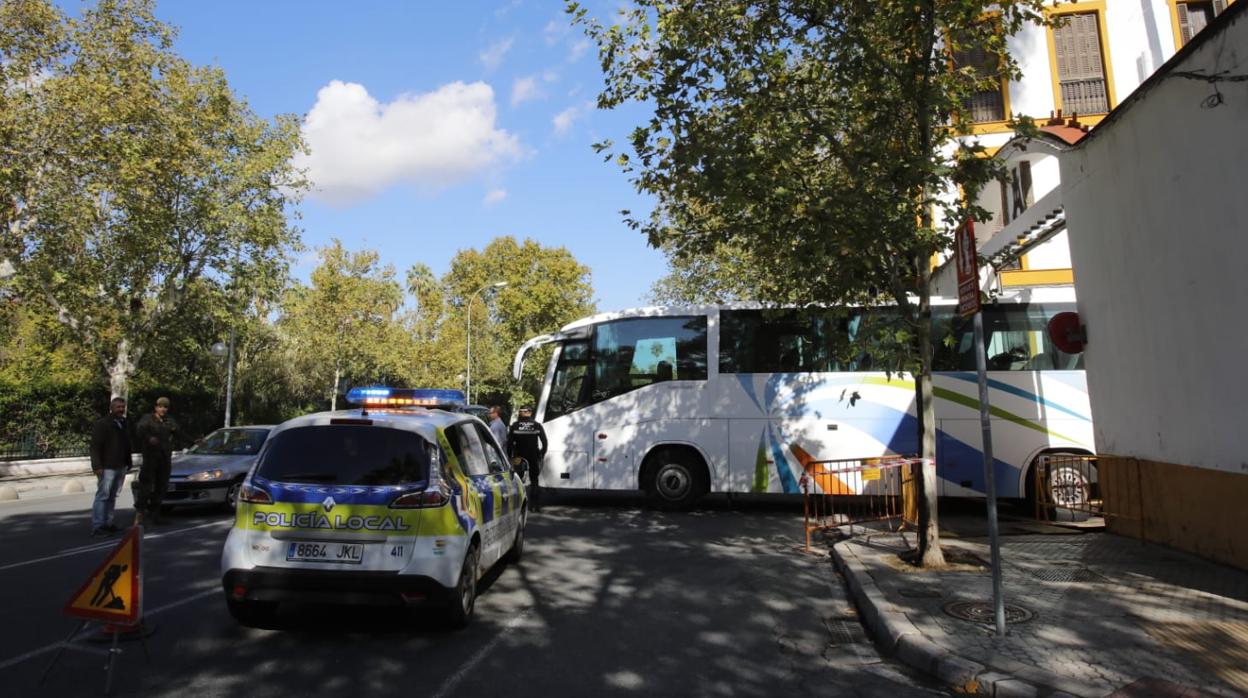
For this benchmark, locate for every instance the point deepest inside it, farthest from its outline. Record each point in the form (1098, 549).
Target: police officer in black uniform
(155, 434)
(527, 439)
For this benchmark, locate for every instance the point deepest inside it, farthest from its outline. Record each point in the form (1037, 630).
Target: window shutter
(1218, 7)
(1080, 71)
(1185, 24)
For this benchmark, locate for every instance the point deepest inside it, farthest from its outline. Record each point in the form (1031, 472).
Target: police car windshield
(349, 455)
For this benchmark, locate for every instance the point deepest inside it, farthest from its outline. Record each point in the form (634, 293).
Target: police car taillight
(423, 499)
(254, 495)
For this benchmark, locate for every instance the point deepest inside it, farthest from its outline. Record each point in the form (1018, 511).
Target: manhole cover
(1068, 575)
(982, 612)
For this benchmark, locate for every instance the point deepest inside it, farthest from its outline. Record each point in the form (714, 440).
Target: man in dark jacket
(110, 459)
(155, 436)
(527, 439)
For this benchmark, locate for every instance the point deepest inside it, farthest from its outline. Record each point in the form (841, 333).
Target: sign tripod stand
(113, 597)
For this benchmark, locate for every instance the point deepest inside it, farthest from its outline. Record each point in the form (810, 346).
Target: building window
(1083, 87)
(988, 103)
(1191, 17)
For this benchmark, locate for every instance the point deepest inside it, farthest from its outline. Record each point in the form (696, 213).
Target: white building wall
(1139, 39)
(1159, 237)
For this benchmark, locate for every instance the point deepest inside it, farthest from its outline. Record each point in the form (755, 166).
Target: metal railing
(38, 446)
(848, 491)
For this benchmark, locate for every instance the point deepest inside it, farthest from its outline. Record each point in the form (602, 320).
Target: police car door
(507, 492)
(485, 486)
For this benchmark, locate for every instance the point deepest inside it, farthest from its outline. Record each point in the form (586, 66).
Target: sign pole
(968, 304)
(990, 480)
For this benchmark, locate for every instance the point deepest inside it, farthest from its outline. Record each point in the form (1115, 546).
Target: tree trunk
(930, 554)
(120, 370)
(333, 399)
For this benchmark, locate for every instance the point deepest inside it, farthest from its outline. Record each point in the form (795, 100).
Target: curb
(51, 467)
(897, 635)
(45, 468)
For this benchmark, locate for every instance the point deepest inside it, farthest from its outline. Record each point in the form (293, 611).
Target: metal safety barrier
(1082, 485)
(849, 491)
(1067, 483)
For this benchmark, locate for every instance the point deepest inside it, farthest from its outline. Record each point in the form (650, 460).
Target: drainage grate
(840, 632)
(1060, 574)
(982, 612)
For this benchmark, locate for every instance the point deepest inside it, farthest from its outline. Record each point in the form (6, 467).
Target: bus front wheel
(675, 480)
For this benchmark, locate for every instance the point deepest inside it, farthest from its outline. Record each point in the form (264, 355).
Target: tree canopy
(806, 151)
(131, 179)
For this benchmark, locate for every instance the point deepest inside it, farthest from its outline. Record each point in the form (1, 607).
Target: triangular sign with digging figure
(114, 592)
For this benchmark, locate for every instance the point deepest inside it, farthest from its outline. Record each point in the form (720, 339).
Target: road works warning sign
(114, 592)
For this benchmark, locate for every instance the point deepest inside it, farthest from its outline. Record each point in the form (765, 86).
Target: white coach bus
(682, 401)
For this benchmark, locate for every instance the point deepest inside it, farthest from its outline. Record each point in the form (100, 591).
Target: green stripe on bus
(972, 403)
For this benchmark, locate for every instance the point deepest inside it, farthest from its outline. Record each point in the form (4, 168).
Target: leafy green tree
(546, 289)
(128, 177)
(817, 139)
(346, 324)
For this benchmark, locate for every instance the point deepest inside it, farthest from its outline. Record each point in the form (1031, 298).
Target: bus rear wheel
(675, 480)
(1066, 489)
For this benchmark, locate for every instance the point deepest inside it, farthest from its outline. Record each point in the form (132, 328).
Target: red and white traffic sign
(968, 269)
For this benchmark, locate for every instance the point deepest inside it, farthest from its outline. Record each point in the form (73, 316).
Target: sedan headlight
(202, 475)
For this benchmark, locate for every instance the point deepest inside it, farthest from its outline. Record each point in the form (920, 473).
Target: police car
(401, 502)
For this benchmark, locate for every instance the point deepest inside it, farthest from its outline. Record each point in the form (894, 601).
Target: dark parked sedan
(212, 471)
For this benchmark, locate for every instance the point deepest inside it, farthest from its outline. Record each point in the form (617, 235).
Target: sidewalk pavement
(50, 476)
(1109, 616)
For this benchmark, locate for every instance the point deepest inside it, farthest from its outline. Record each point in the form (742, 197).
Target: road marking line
(85, 548)
(468, 666)
(56, 645)
(101, 546)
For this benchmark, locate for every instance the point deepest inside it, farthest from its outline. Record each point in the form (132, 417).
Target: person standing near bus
(110, 459)
(498, 427)
(155, 436)
(527, 439)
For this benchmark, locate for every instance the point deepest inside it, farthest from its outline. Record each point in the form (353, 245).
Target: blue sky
(437, 126)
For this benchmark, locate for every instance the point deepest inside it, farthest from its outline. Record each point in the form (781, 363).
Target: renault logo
(328, 503)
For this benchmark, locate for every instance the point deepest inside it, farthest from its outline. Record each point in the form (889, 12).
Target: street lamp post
(468, 329)
(217, 350)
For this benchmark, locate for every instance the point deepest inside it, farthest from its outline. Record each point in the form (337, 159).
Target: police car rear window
(348, 455)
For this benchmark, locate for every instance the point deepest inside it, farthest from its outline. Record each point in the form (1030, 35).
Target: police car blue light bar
(378, 396)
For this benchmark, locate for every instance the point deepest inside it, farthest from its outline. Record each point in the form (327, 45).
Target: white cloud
(359, 147)
(494, 196)
(578, 49)
(563, 120)
(555, 30)
(503, 11)
(492, 57)
(524, 89)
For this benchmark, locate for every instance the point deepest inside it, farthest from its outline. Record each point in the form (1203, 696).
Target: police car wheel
(464, 599)
(253, 614)
(517, 546)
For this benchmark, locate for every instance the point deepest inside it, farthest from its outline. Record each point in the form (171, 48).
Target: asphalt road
(610, 599)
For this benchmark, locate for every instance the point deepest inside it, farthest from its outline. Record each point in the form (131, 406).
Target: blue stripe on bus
(787, 482)
(747, 384)
(1007, 388)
